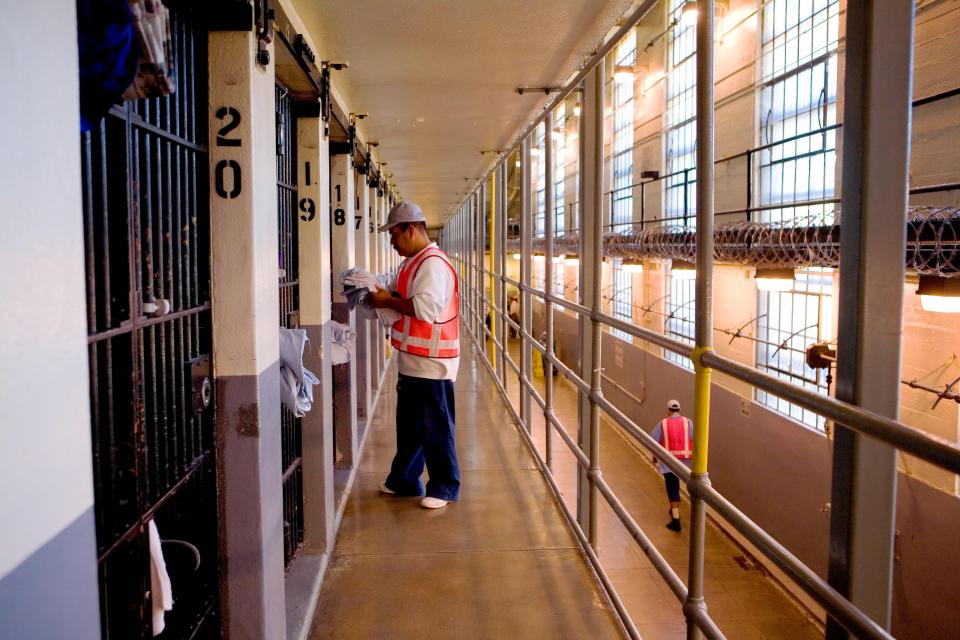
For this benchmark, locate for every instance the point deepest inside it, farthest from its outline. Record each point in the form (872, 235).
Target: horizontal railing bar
(532, 290)
(581, 384)
(293, 467)
(636, 532)
(706, 624)
(783, 205)
(908, 439)
(572, 306)
(127, 326)
(647, 335)
(573, 446)
(846, 613)
(147, 515)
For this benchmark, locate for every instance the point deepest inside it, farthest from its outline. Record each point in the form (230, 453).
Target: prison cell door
(147, 245)
(291, 435)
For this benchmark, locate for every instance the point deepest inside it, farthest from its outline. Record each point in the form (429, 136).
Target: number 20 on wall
(230, 119)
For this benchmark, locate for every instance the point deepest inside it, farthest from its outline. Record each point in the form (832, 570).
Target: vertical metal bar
(526, 277)
(596, 240)
(548, 286)
(589, 262)
(643, 204)
(703, 329)
(503, 220)
(498, 260)
(491, 191)
(749, 184)
(876, 141)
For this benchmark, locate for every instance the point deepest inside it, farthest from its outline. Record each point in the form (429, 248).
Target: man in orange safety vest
(675, 434)
(427, 341)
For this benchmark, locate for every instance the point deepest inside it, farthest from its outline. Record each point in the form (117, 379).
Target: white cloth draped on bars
(161, 593)
(296, 381)
(341, 341)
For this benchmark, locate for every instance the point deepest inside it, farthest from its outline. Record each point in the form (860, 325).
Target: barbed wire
(932, 242)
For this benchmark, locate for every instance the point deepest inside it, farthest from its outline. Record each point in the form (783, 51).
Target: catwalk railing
(484, 289)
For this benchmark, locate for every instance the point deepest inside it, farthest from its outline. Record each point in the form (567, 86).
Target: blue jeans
(426, 421)
(673, 486)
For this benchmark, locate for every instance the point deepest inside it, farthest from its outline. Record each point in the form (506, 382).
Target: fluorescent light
(632, 266)
(939, 295)
(683, 270)
(623, 74)
(774, 279)
(940, 304)
(688, 14)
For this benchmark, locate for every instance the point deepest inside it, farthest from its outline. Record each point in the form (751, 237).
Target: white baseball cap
(403, 212)
(673, 405)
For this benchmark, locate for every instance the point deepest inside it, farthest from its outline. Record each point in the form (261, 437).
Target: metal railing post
(694, 606)
(526, 277)
(596, 326)
(548, 287)
(877, 94)
(503, 219)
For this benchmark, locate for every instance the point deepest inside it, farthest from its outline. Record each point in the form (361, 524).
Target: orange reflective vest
(676, 436)
(440, 339)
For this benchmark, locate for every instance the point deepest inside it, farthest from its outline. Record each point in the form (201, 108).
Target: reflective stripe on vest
(417, 337)
(674, 441)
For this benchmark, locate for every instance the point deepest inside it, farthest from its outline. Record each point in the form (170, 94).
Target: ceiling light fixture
(623, 74)
(683, 270)
(689, 12)
(939, 294)
(774, 279)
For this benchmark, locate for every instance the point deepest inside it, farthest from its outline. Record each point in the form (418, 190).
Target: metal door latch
(201, 384)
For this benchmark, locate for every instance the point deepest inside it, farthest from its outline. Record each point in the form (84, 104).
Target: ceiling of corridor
(438, 78)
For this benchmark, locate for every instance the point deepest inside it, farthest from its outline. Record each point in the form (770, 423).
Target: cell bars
(147, 246)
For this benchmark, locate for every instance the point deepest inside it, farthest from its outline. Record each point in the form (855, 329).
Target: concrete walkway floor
(500, 563)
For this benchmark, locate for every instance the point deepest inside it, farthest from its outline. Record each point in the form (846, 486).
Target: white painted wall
(45, 468)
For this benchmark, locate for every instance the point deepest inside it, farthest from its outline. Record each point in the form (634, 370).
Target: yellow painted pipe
(701, 410)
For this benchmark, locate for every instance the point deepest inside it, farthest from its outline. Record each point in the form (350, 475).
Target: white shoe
(432, 503)
(387, 490)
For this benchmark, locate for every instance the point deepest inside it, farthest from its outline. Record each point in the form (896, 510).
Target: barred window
(789, 322)
(679, 186)
(621, 298)
(797, 165)
(622, 200)
(540, 220)
(559, 170)
(679, 321)
(680, 119)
